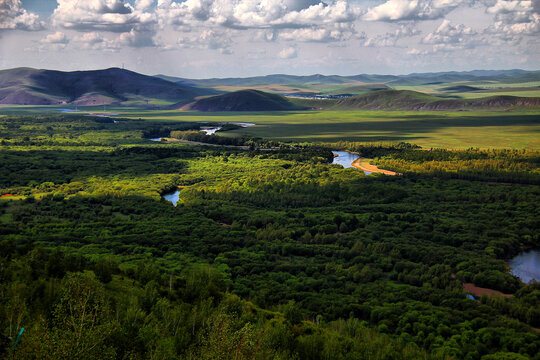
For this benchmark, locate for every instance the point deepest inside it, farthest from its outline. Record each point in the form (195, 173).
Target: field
(430, 129)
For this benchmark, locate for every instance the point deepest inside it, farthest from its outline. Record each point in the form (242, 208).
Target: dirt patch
(364, 165)
(479, 291)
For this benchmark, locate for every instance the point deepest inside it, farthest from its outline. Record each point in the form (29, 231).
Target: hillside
(412, 100)
(26, 86)
(243, 100)
(504, 76)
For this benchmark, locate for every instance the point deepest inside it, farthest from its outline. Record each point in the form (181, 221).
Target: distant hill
(243, 100)
(26, 86)
(461, 88)
(412, 100)
(503, 76)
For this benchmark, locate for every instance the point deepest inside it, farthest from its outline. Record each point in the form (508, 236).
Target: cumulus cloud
(244, 14)
(391, 38)
(337, 32)
(96, 41)
(55, 41)
(14, 17)
(415, 51)
(56, 38)
(207, 39)
(448, 33)
(449, 37)
(144, 5)
(138, 38)
(515, 18)
(288, 53)
(396, 10)
(103, 15)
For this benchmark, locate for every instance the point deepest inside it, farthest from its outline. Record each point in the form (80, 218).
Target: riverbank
(479, 291)
(364, 165)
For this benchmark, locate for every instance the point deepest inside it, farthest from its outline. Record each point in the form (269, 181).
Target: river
(345, 159)
(526, 266)
(213, 130)
(173, 197)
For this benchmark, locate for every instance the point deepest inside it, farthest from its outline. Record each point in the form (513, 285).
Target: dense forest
(268, 254)
(506, 165)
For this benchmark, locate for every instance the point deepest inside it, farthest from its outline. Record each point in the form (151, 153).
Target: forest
(271, 253)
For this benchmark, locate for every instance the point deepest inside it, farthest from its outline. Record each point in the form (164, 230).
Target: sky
(239, 38)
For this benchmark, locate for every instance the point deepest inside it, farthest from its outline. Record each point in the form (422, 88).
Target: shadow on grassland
(408, 127)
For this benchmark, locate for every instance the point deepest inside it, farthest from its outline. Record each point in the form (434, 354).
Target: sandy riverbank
(364, 165)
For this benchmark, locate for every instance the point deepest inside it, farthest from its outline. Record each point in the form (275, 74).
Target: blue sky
(218, 38)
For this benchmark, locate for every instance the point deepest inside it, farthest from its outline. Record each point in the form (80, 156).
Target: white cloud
(103, 15)
(447, 33)
(14, 17)
(448, 37)
(56, 38)
(243, 14)
(96, 41)
(56, 41)
(137, 38)
(338, 32)
(515, 18)
(415, 51)
(391, 38)
(207, 39)
(288, 53)
(144, 5)
(396, 10)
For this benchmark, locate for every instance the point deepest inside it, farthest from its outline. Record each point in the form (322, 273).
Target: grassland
(454, 130)
(485, 89)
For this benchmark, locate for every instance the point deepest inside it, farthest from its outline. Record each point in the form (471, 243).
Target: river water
(526, 266)
(211, 131)
(345, 159)
(173, 197)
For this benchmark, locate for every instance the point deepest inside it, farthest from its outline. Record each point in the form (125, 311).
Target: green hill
(413, 100)
(243, 100)
(503, 76)
(26, 86)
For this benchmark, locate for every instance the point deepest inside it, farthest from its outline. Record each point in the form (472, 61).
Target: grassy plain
(429, 129)
(456, 130)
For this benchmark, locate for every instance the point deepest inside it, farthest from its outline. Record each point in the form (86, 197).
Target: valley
(228, 216)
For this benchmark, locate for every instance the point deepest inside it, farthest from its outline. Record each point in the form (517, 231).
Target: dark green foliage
(244, 100)
(165, 319)
(283, 230)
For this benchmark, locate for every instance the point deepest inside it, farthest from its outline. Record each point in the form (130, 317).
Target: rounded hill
(243, 100)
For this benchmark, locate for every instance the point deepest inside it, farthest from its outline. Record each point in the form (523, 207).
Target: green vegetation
(74, 309)
(270, 253)
(26, 86)
(453, 130)
(244, 100)
(513, 166)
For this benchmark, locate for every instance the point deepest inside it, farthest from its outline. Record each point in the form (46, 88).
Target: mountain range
(114, 86)
(410, 79)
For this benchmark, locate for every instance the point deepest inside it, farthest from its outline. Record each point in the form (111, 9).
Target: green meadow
(429, 129)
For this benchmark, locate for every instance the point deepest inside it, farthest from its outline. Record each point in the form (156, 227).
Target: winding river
(213, 130)
(345, 159)
(526, 266)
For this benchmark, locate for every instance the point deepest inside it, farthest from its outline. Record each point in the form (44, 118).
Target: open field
(454, 130)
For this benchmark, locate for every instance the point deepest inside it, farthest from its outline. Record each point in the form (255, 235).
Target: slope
(412, 100)
(243, 100)
(26, 86)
